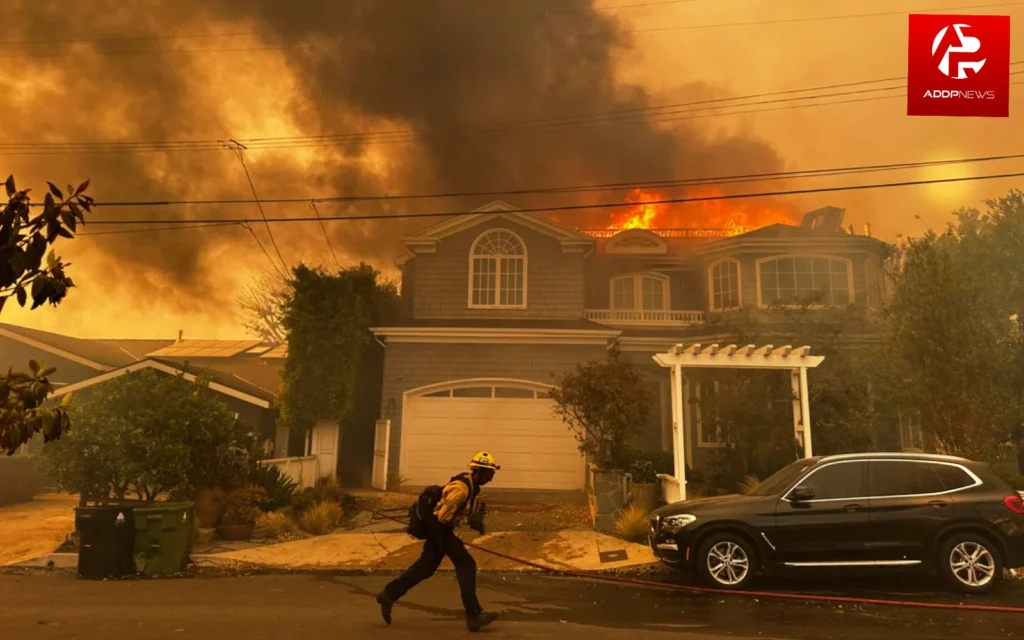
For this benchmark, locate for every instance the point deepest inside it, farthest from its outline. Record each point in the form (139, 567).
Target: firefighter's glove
(475, 521)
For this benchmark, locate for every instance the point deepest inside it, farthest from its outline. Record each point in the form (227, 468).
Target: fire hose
(667, 586)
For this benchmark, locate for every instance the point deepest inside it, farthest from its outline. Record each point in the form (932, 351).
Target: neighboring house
(244, 373)
(497, 302)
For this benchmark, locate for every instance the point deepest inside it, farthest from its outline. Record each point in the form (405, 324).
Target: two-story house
(498, 302)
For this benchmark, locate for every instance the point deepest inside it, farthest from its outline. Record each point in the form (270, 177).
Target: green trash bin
(163, 537)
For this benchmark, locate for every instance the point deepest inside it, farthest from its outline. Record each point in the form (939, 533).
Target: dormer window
(497, 271)
(646, 291)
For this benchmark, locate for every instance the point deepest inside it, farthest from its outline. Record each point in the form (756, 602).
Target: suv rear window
(908, 478)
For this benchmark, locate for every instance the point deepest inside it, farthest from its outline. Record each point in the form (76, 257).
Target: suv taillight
(1014, 503)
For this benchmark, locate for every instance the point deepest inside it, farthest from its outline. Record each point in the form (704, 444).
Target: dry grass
(632, 523)
(322, 518)
(749, 484)
(276, 525)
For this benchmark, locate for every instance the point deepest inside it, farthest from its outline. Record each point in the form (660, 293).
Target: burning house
(497, 302)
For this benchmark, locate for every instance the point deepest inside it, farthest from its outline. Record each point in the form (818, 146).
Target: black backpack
(422, 511)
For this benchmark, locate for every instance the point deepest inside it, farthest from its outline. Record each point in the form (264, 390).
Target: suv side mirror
(801, 494)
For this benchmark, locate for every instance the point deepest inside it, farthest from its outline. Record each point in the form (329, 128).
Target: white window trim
(638, 290)
(497, 273)
(700, 423)
(711, 284)
(849, 275)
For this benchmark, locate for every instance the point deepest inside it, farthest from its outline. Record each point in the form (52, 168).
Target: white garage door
(442, 429)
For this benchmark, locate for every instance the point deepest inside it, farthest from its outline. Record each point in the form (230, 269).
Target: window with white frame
(797, 279)
(648, 292)
(708, 432)
(725, 285)
(911, 434)
(497, 270)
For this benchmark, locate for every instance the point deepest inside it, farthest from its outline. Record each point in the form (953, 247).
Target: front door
(830, 527)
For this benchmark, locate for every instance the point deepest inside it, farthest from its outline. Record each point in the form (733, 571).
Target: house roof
(100, 354)
(427, 238)
(220, 381)
(250, 373)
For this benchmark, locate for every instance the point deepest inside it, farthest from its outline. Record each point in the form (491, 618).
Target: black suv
(926, 512)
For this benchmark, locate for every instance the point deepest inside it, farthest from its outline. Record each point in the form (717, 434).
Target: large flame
(646, 210)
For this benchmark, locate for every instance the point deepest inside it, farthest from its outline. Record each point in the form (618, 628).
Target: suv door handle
(937, 503)
(852, 507)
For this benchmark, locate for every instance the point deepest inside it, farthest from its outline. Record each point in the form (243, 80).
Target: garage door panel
(535, 449)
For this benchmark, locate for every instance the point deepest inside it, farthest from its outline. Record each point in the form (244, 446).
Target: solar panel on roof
(260, 349)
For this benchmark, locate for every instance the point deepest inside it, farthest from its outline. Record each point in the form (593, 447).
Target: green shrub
(279, 487)
(21, 479)
(323, 518)
(242, 505)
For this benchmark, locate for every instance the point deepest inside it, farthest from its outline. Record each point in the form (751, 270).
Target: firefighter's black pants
(443, 542)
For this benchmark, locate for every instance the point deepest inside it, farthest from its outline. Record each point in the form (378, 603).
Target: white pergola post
(768, 357)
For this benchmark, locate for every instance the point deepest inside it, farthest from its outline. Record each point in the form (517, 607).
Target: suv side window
(838, 480)
(907, 478)
(953, 477)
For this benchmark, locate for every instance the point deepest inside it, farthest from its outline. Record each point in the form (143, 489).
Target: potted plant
(241, 510)
(644, 490)
(215, 473)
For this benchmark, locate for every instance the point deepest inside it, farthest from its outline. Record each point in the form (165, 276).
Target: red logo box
(959, 66)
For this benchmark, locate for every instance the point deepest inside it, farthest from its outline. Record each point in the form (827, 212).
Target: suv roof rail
(891, 454)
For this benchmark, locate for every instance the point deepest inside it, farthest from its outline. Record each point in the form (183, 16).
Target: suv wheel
(726, 561)
(970, 563)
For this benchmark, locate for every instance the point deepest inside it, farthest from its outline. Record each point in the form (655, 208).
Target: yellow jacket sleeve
(453, 497)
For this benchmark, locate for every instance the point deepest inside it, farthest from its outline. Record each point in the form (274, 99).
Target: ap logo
(963, 44)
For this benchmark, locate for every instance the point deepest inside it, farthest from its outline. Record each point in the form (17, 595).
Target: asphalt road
(310, 606)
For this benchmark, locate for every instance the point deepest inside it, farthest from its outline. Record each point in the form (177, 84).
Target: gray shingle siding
(410, 366)
(554, 280)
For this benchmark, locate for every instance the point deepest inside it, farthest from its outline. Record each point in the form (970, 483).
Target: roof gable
(425, 241)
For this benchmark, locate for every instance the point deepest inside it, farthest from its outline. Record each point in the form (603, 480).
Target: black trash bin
(106, 541)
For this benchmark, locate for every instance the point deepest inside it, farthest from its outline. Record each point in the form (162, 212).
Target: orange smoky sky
(298, 80)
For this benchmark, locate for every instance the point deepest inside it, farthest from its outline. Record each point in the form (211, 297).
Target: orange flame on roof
(647, 210)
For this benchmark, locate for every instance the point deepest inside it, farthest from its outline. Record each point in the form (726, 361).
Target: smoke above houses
(447, 96)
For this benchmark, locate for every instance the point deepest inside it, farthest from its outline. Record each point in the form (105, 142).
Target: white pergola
(795, 360)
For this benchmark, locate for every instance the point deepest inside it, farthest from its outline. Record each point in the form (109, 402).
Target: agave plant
(279, 487)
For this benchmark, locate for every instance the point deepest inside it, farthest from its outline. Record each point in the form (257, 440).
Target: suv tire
(726, 561)
(970, 562)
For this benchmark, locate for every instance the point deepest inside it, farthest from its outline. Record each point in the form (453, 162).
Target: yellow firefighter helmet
(483, 460)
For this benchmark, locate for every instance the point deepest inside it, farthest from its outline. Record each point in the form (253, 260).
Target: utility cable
(578, 207)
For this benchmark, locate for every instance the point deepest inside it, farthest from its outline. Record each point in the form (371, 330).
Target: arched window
(646, 291)
(724, 277)
(497, 270)
(804, 279)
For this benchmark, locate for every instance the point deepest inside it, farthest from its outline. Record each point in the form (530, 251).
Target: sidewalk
(33, 529)
(565, 550)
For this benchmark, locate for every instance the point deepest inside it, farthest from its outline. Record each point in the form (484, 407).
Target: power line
(592, 188)
(180, 227)
(34, 54)
(579, 207)
(549, 124)
(327, 238)
(240, 151)
(847, 16)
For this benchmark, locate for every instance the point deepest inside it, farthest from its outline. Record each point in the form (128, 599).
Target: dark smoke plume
(443, 69)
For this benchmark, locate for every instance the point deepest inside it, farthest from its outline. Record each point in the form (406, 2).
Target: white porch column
(805, 409)
(678, 429)
(798, 410)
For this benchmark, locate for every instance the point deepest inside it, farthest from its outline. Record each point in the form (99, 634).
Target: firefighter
(458, 502)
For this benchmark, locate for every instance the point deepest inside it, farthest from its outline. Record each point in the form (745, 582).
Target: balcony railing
(686, 232)
(644, 317)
